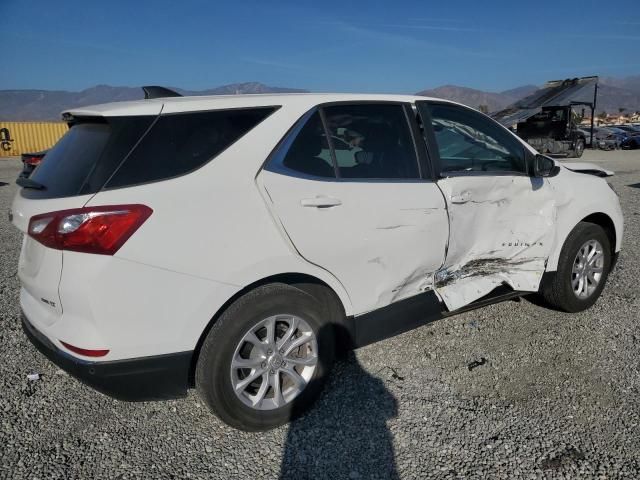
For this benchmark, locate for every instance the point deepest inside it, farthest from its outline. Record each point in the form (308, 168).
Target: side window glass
(180, 143)
(309, 152)
(469, 142)
(372, 141)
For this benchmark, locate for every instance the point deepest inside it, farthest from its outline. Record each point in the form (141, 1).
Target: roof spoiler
(153, 91)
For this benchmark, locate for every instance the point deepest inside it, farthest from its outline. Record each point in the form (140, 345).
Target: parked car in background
(603, 138)
(620, 135)
(631, 130)
(30, 161)
(631, 143)
(236, 243)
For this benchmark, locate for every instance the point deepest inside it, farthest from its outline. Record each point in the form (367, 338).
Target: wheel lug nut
(263, 364)
(272, 372)
(269, 352)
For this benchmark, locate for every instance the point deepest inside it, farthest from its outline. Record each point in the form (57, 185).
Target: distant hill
(613, 94)
(468, 96)
(19, 105)
(517, 93)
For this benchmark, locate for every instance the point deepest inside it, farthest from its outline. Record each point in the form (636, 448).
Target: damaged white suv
(236, 243)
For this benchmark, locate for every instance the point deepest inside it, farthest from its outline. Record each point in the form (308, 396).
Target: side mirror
(544, 166)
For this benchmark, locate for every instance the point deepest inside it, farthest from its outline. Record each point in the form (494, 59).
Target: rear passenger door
(351, 191)
(502, 220)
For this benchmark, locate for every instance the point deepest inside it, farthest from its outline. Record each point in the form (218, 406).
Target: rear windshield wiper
(28, 183)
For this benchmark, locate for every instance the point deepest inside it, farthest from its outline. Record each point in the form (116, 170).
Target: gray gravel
(557, 396)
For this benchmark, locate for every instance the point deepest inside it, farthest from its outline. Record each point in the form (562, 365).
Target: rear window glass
(180, 143)
(86, 156)
(126, 151)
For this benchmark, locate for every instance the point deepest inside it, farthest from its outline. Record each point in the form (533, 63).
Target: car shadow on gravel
(345, 435)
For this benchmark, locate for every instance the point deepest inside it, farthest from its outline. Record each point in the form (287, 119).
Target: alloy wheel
(587, 269)
(274, 362)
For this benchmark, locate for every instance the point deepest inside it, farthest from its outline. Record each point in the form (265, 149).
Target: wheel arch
(604, 221)
(306, 282)
(598, 218)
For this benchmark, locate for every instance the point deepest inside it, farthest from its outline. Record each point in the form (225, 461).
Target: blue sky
(370, 46)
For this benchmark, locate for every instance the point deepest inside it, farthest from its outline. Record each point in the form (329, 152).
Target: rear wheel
(579, 148)
(583, 268)
(265, 360)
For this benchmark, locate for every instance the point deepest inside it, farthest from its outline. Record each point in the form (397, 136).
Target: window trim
(274, 161)
(432, 144)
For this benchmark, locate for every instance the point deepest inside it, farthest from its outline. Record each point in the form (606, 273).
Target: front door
(501, 219)
(352, 196)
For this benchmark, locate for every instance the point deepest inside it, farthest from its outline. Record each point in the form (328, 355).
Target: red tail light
(33, 160)
(84, 351)
(102, 230)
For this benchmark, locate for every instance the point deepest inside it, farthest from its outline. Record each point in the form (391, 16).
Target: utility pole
(593, 113)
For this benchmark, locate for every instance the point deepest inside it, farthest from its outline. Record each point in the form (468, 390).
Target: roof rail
(153, 91)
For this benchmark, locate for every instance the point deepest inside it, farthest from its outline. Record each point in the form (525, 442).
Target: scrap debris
(394, 373)
(477, 363)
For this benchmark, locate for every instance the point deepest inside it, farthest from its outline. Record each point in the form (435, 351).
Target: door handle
(464, 197)
(320, 202)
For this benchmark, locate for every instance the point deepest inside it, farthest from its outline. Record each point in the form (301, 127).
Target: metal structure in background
(17, 138)
(555, 93)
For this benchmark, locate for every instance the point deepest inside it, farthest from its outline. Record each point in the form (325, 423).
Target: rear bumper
(157, 377)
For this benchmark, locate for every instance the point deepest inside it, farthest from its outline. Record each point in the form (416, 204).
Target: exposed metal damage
(460, 286)
(504, 228)
(480, 267)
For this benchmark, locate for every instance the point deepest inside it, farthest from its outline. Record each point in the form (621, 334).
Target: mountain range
(25, 105)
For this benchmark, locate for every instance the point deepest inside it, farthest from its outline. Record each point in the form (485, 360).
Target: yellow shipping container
(24, 137)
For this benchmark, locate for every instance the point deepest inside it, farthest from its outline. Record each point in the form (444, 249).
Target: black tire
(578, 150)
(213, 377)
(556, 287)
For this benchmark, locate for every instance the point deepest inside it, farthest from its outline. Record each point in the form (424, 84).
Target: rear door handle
(320, 202)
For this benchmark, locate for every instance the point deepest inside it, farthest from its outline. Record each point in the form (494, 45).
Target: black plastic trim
(397, 318)
(414, 312)
(154, 91)
(614, 260)
(158, 377)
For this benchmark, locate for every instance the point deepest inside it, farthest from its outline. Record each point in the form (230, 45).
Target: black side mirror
(544, 166)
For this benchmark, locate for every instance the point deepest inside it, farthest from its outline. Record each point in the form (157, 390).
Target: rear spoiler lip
(115, 109)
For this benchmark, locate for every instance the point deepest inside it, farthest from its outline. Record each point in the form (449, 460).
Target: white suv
(237, 243)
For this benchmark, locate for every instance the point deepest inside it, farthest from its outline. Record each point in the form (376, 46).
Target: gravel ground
(557, 396)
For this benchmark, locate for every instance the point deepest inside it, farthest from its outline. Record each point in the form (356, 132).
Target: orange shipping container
(24, 137)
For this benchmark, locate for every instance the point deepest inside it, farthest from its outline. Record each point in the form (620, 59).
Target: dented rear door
(382, 238)
(501, 219)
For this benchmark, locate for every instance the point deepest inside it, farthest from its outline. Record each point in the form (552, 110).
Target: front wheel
(265, 359)
(583, 268)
